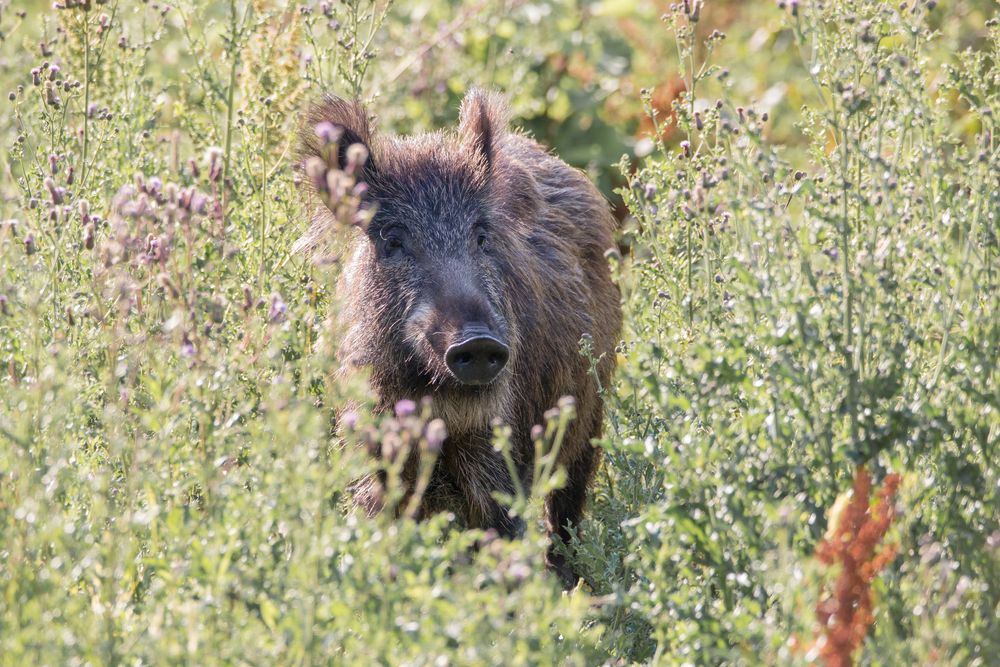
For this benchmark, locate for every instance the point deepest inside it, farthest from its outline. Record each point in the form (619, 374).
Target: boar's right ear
(340, 121)
(482, 122)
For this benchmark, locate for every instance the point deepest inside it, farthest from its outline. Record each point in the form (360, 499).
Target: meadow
(801, 442)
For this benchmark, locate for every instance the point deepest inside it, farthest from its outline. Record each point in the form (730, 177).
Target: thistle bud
(435, 435)
(315, 169)
(278, 310)
(357, 155)
(566, 403)
(405, 408)
(247, 299)
(328, 133)
(214, 159)
(55, 192)
(51, 98)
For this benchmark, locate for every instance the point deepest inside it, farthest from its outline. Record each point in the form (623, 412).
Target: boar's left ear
(334, 120)
(483, 122)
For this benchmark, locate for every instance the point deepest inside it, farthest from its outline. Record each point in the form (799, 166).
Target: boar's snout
(478, 357)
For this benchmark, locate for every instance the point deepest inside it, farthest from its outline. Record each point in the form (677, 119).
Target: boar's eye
(481, 240)
(392, 245)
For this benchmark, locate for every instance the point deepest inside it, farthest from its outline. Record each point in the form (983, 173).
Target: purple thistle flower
(278, 310)
(328, 132)
(199, 203)
(349, 419)
(435, 434)
(214, 158)
(405, 408)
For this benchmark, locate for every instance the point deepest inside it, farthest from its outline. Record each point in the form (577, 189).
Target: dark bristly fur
(539, 282)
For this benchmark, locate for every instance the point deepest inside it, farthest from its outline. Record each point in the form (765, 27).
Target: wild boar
(482, 269)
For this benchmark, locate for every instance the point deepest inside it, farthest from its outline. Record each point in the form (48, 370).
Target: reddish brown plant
(845, 613)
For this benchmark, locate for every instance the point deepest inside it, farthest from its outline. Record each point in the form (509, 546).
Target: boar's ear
(334, 120)
(482, 122)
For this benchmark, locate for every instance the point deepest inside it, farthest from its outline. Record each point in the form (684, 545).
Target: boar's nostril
(477, 360)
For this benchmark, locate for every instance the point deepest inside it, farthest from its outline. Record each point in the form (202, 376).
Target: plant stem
(230, 95)
(86, 93)
(852, 387)
(263, 197)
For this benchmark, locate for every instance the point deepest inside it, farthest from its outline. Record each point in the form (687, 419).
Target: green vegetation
(810, 277)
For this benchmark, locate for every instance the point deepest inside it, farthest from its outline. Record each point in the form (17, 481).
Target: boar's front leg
(479, 471)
